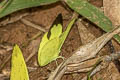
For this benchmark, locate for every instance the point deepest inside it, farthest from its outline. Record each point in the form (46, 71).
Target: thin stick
(28, 23)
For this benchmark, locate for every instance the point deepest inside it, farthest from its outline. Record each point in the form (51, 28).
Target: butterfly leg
(56, 62)
(63, 58)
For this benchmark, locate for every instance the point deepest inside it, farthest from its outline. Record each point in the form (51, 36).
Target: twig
(7, 72)
(7, 48)
(3, 77)
(12, 20)
(112, 50)
(35, 36)
(33, 47)
(100, 67)
(104, 64)
(28, 23)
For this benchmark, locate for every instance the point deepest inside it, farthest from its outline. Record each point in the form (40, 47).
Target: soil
(19, 33)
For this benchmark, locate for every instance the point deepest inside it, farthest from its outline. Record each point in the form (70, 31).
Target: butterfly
(51, 44)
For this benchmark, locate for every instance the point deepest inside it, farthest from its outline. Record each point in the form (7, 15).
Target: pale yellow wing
(18, 66)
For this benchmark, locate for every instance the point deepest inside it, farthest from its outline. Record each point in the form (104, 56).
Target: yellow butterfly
(50, 47)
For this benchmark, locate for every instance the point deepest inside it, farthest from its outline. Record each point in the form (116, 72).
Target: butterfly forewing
(64, 35)
(58, 20)
(19, 69)
(56, 31)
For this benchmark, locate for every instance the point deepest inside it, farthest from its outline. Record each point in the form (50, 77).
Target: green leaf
(15, 5)
(19, 69)
(50, 48)
(93, 14)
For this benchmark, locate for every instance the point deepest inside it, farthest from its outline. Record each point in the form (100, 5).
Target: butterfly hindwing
(49, 52)
(43, 42)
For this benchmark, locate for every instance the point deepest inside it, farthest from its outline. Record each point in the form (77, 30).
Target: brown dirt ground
(19, 33)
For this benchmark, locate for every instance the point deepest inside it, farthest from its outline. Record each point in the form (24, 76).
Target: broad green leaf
(15, 5)
(93, 14)
(50, 48)
(19, 69)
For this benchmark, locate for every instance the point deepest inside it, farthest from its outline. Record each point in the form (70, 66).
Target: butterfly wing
(56, 31)
(58, 20)
(18, 67)
(49, 52)
(64, 35)
(49, 47)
